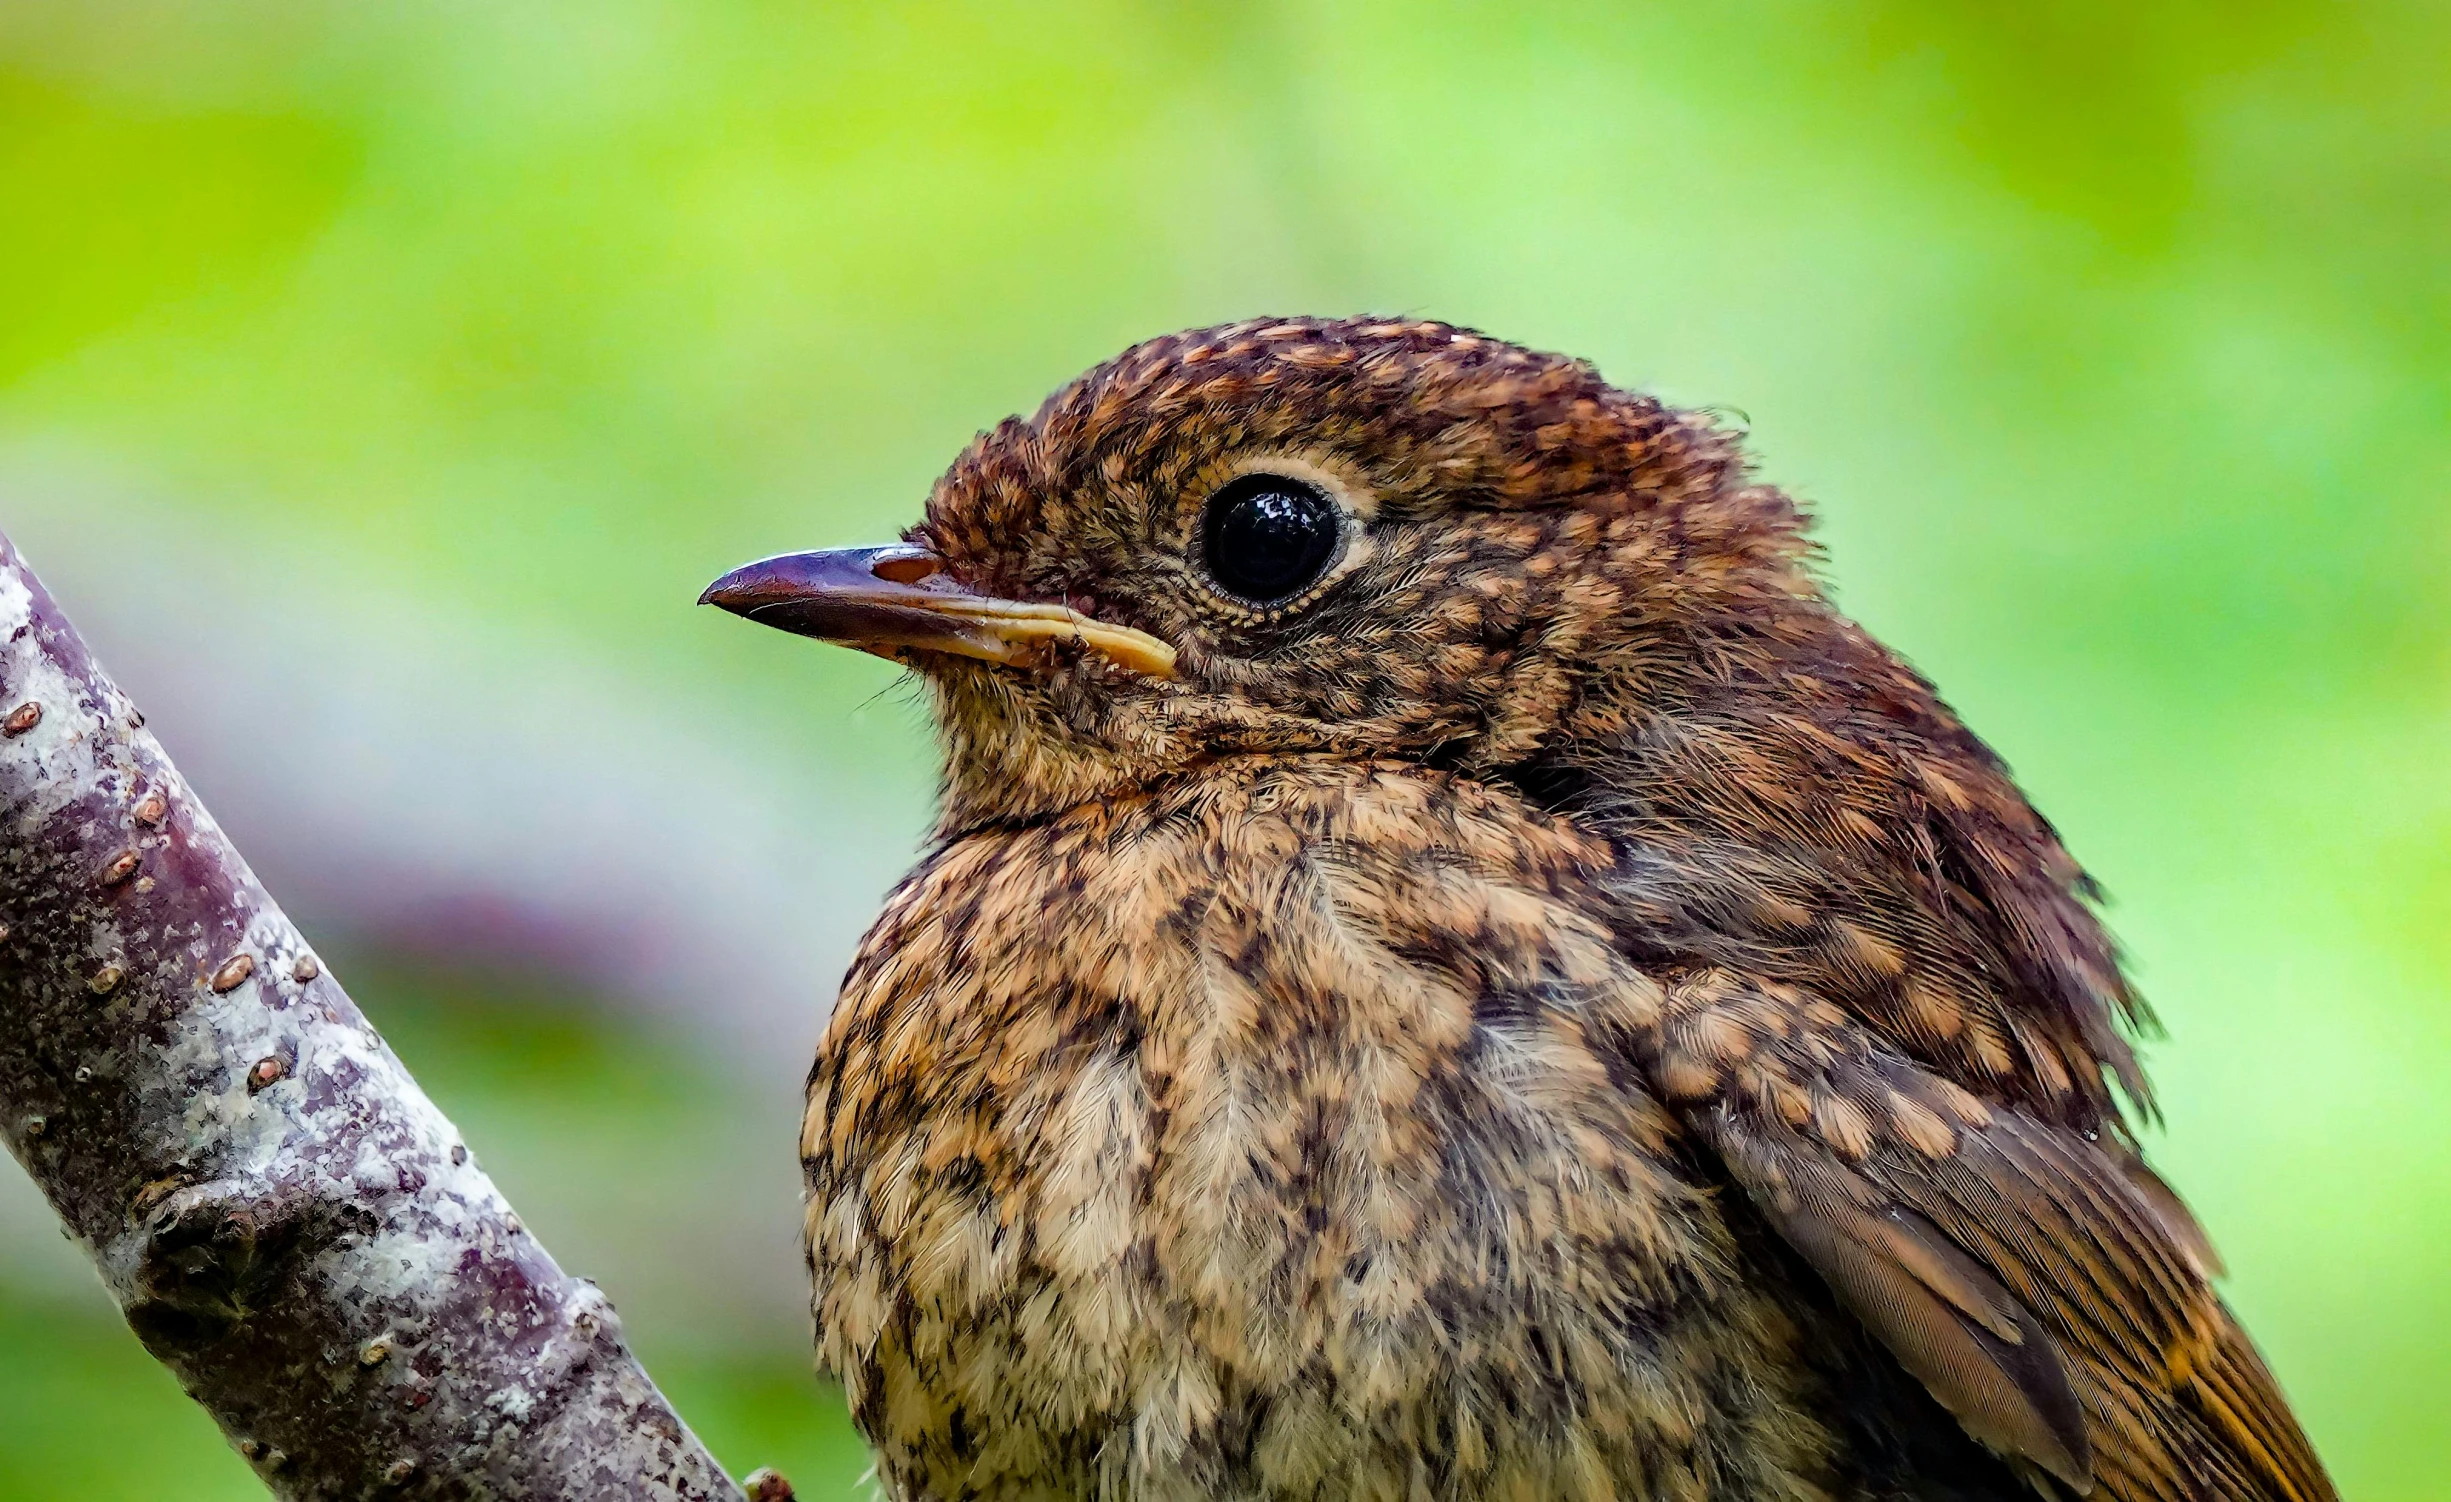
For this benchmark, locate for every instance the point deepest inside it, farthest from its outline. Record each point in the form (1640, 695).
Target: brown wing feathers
(2009, 1264)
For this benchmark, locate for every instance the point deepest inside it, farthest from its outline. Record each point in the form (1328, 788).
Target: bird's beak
(883, 600)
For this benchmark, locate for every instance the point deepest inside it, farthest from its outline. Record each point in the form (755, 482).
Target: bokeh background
(379, 382)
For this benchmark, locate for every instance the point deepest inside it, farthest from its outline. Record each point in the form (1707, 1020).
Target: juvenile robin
(1448, 970)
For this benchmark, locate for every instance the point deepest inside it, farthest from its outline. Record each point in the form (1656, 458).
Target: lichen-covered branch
(287, 1221)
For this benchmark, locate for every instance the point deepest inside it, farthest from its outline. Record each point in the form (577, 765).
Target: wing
(2048, 1295)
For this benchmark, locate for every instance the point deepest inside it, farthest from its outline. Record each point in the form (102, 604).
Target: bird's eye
(1268, 537)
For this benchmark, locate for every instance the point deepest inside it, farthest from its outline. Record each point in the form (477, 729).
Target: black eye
(1268, 538)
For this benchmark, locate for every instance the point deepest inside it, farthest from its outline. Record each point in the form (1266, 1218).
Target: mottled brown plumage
(1546, 1008)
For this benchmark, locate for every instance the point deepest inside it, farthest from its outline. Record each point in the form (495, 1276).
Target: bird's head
(1355, 538)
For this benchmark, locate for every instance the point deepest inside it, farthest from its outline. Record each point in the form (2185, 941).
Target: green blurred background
(380, 382)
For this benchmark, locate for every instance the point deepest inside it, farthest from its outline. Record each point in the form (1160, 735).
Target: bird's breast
(1239, 1125)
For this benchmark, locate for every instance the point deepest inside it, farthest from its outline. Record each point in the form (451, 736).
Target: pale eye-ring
(1266, 538)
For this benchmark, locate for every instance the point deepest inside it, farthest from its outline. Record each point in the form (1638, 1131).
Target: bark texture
(286, 1220)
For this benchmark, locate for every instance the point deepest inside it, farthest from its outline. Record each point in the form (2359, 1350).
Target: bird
(1446, 968)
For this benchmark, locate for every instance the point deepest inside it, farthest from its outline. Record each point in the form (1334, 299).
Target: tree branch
(286, 1220)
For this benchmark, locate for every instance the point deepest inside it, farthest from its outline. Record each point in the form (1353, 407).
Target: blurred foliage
(2113, 342)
